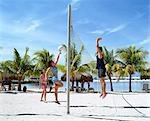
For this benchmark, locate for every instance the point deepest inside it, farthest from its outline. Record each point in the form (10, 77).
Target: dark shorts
(101, 73)
(50, 82)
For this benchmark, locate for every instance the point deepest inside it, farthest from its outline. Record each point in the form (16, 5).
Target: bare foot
(57, 102)
(101, 95)
(45, 101)
(104, 95)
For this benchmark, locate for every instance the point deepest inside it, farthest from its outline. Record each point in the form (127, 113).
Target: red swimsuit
(43, 81)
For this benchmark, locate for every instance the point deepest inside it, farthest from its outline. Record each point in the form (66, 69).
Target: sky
(39, 24)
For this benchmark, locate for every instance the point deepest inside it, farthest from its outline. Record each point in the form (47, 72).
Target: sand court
(115, 107)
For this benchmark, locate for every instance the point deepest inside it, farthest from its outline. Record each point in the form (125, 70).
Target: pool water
(137, 86)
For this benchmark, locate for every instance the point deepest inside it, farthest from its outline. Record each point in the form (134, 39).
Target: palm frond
(62, 68)
(42, 58)
(17, 58)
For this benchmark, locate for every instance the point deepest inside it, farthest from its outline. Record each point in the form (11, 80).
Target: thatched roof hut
(82, 77)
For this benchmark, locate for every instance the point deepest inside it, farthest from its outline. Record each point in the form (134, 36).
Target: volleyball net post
(68, 59)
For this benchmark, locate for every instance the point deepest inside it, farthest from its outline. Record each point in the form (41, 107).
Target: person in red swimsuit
(43, 83)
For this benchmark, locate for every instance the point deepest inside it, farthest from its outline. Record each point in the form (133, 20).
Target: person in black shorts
(101, 67)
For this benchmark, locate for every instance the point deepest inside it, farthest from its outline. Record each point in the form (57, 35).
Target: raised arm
(98, 51)
(97, 44)
(40, 78)
(46, 73)
(57, 58)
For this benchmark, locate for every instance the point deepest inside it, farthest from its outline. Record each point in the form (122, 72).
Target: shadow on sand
(109, 117)
(29, 114)
(83, 106)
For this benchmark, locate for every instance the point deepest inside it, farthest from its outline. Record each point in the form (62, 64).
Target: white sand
(27, 107)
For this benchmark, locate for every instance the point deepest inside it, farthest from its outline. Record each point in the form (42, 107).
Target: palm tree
(22, 66)
(133, 59)
(110, 61)
(41, 59)
(6, 69)
(19, 67)
(91, 67)
(145, 73)
(76, 66)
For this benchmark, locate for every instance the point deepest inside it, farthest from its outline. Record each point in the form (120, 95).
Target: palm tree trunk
(111, 84)
(88, 86)
(72, 87)
(9, 86)
(19, 83)
(82, 86)
(119, 78)
(77, 86)
(130, 78)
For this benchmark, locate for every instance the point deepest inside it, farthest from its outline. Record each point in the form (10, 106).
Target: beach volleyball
(62, 48)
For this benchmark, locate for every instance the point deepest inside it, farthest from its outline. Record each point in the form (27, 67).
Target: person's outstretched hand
(59, 52)
(98, 39)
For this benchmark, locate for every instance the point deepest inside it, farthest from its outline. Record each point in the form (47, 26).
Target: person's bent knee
(59, 84)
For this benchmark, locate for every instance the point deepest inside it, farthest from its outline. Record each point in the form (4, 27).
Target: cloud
(33, 26)
(20, 26)
(116, 29)
(108, 31)
(83, 21)
(98, 32)
(26, 25)
(74, 2)
(145, 41)
(74, 6)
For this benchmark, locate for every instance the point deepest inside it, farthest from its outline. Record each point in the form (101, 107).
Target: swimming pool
(121, 86)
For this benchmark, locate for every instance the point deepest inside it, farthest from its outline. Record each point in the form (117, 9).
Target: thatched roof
(82, 77)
